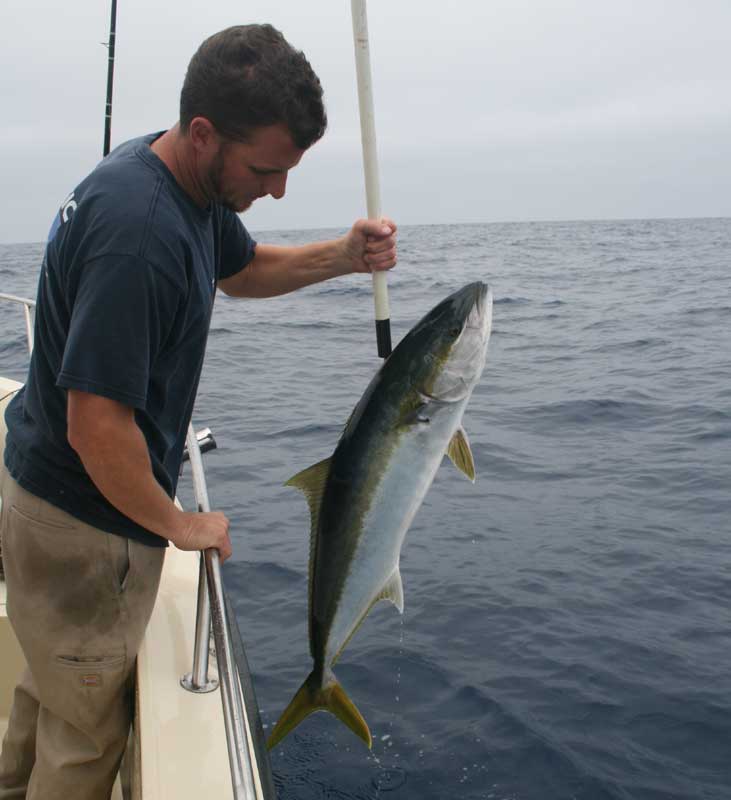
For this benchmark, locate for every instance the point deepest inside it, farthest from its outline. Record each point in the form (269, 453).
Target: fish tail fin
(339, 704)
(311, 697)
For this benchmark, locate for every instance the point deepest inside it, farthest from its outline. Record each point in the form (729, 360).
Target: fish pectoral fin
(312, 697)
(461, 454)
(311, 482)
(394, 591)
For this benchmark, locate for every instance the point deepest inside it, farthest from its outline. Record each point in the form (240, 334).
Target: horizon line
(550, 221)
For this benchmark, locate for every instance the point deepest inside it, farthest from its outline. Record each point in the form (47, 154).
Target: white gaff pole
(370, 164)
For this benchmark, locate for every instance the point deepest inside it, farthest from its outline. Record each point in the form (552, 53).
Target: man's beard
(215, 182)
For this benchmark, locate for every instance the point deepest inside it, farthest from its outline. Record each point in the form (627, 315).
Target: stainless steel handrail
(27, 306)
(242, 757)
(197, 680)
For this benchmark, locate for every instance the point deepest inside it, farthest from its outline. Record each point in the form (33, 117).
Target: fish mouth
(467, 355)
(480, 317)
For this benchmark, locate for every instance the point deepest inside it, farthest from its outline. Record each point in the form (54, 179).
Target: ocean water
(567, 629)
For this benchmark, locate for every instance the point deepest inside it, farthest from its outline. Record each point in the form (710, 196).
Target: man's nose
(277, 185)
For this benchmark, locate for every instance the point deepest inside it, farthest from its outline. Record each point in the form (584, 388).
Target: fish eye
(455, 332)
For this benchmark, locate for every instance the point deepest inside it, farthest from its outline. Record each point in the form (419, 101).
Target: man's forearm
(277, 270)
(370, 245)
(112, 448)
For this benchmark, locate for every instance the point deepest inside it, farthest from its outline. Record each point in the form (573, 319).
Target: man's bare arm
(370, 245)
(114, 453)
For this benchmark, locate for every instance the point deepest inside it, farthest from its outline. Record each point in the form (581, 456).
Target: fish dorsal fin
(461, 454)
(393, 591)
(311, 482)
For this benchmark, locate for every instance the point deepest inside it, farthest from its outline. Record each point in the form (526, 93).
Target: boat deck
(12, 658)
(13, 662)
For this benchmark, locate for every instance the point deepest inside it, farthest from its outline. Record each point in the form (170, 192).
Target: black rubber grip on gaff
(383, 337)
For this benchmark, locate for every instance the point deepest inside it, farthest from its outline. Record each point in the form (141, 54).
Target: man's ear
(203, 134)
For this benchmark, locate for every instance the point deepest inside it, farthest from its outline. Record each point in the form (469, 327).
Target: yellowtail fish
(364, 497)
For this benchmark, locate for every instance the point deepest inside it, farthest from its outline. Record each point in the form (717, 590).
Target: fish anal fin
(312, 697)
(460, 453)
(393, 591)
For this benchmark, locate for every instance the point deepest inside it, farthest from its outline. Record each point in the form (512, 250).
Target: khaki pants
(79, 600)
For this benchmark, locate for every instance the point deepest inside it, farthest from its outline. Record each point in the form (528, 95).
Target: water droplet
(389, 779)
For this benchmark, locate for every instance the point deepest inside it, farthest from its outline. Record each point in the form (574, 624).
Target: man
(95, 438)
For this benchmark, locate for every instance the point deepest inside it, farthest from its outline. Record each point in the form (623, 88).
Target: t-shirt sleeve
(123, 310)
(237, 246)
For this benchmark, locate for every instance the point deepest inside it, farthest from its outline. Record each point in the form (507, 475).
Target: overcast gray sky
(486, 110)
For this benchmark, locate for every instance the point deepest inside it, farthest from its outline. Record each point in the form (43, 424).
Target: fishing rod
(110, 80)
(370, 164)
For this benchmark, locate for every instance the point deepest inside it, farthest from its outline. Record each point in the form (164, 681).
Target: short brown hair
(249, 76)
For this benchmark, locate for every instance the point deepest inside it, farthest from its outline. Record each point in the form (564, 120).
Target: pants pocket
(91, 672)
(89, 692)
(39, 524)
(119, 559)
(90, 662)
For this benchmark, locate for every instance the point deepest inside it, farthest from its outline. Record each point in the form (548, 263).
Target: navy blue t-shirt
(124, 305)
